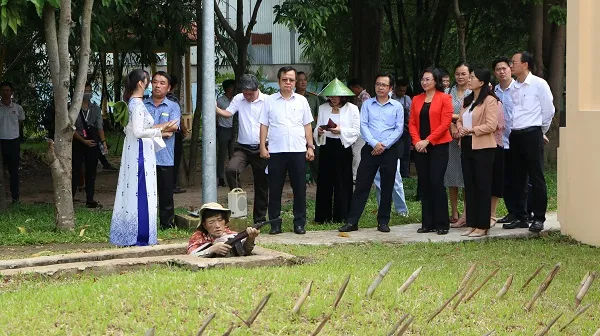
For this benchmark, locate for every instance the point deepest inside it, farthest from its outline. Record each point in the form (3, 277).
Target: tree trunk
(367, 22)
(394, 38)
(2, 186)
(461, 26)
(536, 38)
(547, 32)
(556, 81)
(118, 75)
(195, 138)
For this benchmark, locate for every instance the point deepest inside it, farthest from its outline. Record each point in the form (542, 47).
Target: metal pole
(209, 131)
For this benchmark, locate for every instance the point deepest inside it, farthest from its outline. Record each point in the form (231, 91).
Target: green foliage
(558, 14)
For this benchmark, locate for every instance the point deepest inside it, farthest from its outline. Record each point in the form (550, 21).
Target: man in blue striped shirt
(381, 125)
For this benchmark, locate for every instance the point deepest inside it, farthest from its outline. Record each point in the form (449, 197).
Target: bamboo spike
(228, 332)
(302, 298)
(597, 333)
(410, 280)
(445, 304)
(579, 312)
(341, 292)
(405, 326)
(543, 286)
(205, 324)
(257, 310)
(464, 293)
(378, 279)
(583, 291)
(397, 325)
(547, 328)
(150, 332)
(582, 283)
(470, 296)
(537, 271)
(490, 333)
(505, 288)
(468, 276)
(321, 325)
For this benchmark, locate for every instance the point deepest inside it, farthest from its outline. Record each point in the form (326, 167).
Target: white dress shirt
(286, 119)
(249, 118)
(348, 121)
(532, 104)
(10, 116)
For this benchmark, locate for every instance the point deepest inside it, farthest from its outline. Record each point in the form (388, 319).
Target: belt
(253, 147)
(525, 130)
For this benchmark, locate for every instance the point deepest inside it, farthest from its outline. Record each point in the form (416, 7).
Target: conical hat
(336, 89)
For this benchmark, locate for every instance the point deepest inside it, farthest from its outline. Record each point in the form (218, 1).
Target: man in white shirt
(248, 105)
(224, 131)
(532, 115)
(286, 117)
(11, 130)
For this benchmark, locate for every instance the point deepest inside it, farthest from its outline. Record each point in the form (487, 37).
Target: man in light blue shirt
(381, 125)
(164, 111)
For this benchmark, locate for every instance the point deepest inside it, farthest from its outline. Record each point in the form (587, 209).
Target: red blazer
(440, 117)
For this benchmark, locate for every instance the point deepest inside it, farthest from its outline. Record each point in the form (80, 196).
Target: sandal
(478, 235)
(493, 221)
(461, 222)
(453, 219)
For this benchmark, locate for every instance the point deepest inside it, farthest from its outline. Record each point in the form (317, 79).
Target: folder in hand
(330, 125)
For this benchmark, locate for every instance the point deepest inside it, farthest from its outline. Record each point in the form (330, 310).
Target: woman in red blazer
(429, 124)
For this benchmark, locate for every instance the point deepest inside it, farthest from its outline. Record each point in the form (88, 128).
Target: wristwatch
(311, 146)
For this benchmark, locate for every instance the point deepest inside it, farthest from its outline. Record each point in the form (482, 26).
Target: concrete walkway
(399, 234)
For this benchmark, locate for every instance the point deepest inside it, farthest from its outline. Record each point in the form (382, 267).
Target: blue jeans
(397, 195)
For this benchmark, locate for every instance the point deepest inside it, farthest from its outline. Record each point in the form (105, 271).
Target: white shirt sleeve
(137, 124)
(233, 107)
(264, 113)
(21, 113)
(546, 104)
(320, 139)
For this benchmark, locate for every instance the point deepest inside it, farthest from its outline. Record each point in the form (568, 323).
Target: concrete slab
(261, 257)
(400, 234)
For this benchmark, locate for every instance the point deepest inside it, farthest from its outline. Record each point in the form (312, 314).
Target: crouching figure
(214, 239)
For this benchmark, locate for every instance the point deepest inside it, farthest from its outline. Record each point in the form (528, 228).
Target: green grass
(176, 301)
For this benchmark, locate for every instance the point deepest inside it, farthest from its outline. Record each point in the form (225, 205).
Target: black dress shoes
(299, 230)
(383, 228)
(424, 230)
(348, 227)
(275, 230)
(442, 232)
(536, 226)
(516, 224)
(507, 219)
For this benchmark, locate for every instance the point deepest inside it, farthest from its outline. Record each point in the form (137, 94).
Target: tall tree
(461, 25)
(367, 23)
(238, 58)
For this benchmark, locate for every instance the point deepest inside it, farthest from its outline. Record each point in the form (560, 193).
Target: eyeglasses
(383, 85)
(426, 80)
(288, 80)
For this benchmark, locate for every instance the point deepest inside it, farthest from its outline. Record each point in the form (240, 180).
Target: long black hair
(131, 82)
(484, 75)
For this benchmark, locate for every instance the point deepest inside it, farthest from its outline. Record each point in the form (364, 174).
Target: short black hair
(301, 73)
(527, 57)
(87, 83)
(462, 63)
(355, 82)
(402, 82)
(228, 83)
(285, 69)
(9, 84)
(501, 60)
(388, 75)
(164, 74)
(437, 77)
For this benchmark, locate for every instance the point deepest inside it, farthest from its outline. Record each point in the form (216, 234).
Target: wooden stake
(395, 327)
(579, 312)
(597, 333)
(378, 279)
(405, 326)
(257, 310)
(228, 332)
(545, 330)
(445, 304)
(584, 289)
(490, 333)
(302, 298)
(464, 293)
(505, 288)
(582, 283)
(470, 296)
(542, 288)
(468, 276)
(321, 325)
(537, 271)
(341, 292)
(205, 324)
(150, 332)
(410, 280)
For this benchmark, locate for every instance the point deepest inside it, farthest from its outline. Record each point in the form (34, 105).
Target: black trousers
(11, 157)
(87, 156)
(335, 172)
(512, 205)
(279, 165)
(405, 157)
(224, 139)
(527, 160)
(166, 205)
(478, 172)
(242, 157)
(387, 164)
(177, 153)
(431, 168)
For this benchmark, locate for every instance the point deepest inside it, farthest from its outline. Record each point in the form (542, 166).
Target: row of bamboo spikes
(462, 293)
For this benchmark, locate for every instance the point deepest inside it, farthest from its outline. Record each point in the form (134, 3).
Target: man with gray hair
(249, 105)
